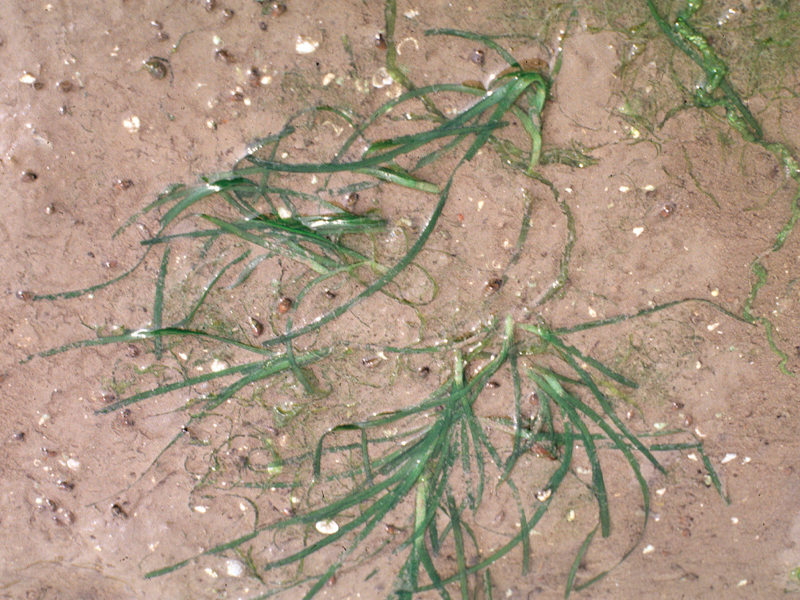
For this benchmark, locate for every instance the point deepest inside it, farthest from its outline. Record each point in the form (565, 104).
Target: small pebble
(29, 176)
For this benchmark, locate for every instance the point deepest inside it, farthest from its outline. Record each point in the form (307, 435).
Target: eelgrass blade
(406, 581)
(399, 177)
(207, 290)
(158, 304)
(568, 353)
(712, 473)
(377, 160)
(88, 290)
(316, 262)
(379, 507)
(461, 563)
(170, 194)
(382, 281)
(171, 387)
(550, 387)
(619, 444)
(576, 563)
(194, 195)
(477, 37)
(552, 484)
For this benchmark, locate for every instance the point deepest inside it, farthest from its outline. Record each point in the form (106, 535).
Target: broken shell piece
(382, 78)
(217, 365)
(27, 78)
(543, 495)
(327, 526)
(132, 124)
(305, 45)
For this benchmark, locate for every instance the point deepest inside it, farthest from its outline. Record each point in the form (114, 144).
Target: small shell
(276, 9)
(132, 124)
(667, 210)
(234, 568)
(370, 361)
(157, 67)
(380, 41)
(225, 56)
(327, 526)
(305, 45)
(494, 284)
(478, 57)
(381, 78)
(256, 327)
(254, 77)
(27, 78)
(543, 495)
(120, 185)
(284, 305)
(218, 365)
(351, 199)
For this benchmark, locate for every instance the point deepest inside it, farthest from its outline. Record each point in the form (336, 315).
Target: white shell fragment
(27, 78)
(234, 568)
(381, 78)
(648, 549)
(728, 457)
(305, 45)
(327, 526)
(637, 231)
(543, 495)
(132, 124)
